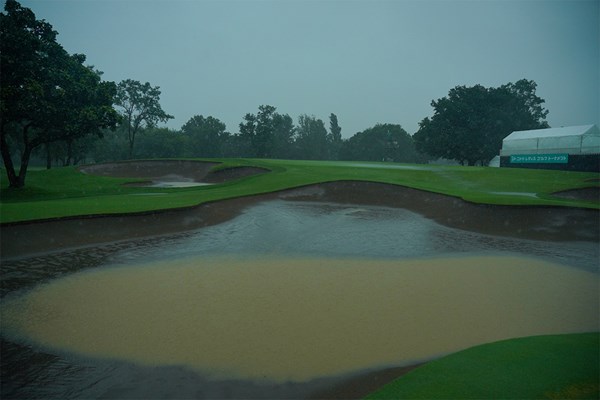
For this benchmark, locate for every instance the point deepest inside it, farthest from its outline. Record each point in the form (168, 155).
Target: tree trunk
(69, 152)
(131, 137)
(24, 164)
(8, 163)
(18, 181)
(48, 157)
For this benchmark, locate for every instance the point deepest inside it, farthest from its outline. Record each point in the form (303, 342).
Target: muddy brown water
(318, 293)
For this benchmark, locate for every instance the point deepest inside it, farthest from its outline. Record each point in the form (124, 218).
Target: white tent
(494, 162)
(584, 139)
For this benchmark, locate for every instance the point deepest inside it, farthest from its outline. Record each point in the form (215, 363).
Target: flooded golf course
(286, 298)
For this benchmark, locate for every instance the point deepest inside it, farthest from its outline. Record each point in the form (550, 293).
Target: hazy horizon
(366, 62)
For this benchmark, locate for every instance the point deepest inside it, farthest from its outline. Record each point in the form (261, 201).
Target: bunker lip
(526, 222)
(148, 169)
(157, 172)
(589, 194)
(361, 385)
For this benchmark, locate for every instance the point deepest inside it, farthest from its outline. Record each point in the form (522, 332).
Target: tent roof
(555, 132)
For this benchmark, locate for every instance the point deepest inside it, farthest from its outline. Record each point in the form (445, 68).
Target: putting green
(298, 319)
(550, 367)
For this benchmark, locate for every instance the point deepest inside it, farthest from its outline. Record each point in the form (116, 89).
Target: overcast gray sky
(365, 61)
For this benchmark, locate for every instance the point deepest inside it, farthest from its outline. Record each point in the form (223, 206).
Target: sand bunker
(531, 222)
(590, 194)
(302, 318)
(171, 173)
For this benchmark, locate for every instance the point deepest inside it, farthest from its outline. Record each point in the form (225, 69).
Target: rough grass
(541, 367)
(62, 192)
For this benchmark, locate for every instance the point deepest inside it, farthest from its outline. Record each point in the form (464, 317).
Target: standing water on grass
(286, 292)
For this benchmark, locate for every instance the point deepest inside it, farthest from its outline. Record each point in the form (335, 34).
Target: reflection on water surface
(297, 229)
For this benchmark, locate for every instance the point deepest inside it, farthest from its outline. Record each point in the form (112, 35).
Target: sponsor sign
(539, 158)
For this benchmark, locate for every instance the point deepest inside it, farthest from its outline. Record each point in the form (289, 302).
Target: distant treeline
(266, 134)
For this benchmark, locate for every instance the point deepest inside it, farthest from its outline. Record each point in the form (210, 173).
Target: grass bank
(541, 367)
(63, 192)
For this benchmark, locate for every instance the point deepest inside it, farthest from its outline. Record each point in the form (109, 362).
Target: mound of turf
(64, 192)
(547, 367)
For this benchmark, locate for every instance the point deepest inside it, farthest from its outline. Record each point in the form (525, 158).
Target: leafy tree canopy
(469, 124)
(140, 107)
(269, 133)
(46, 95)
(383, 142)
(311, 138)
(334, 137)
(207, 136)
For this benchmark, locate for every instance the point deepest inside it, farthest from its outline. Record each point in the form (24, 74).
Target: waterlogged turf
(285, 319)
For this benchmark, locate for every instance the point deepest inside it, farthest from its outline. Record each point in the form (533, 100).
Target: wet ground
(171, 173)
(273, 229)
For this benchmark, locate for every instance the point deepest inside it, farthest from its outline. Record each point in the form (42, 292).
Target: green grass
(62, 192)
(550, 367)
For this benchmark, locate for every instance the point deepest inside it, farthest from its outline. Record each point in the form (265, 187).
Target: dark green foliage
(311, 138)
(140, 107)
(334, 137)
(161, 143)
(268, 133)
(68, 152)
(206, 136)
(383, 142)
(112, 147)
(469, 124)
(283, 136)
(47, 95)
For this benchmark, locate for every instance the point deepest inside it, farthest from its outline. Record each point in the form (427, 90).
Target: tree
(161, 143)
(207, 136)
(311, 138)
(112, 147)
(383, 142)
(283, 136)
(268, 132)
(140, 107)
(247, 136)
(335, 137)
(46, 95)
(70, 151)
(469, 124)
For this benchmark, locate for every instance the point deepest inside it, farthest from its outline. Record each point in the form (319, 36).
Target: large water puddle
(298, 319)
(170, 181)
(285, 292)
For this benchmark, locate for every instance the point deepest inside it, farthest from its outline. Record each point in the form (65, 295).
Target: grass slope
(550, 367)
(63, 192)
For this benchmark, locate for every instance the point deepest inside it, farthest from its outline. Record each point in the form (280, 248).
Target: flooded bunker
(288, 294)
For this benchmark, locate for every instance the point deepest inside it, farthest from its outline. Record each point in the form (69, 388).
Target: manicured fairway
(62, 192)
(547, 367)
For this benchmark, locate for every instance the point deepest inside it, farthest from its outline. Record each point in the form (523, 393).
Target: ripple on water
(288, 228)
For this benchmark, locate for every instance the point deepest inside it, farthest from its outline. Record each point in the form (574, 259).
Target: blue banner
(539, 158)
